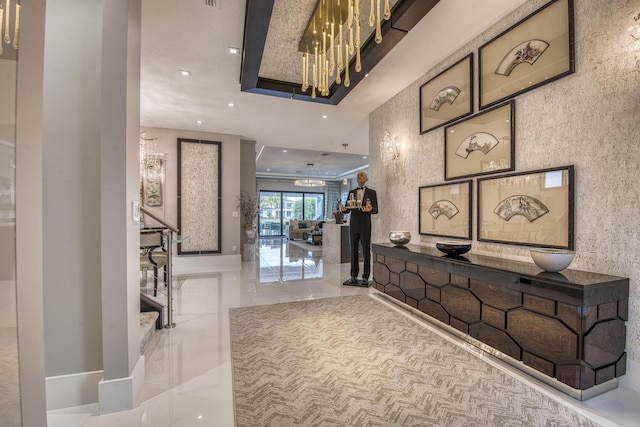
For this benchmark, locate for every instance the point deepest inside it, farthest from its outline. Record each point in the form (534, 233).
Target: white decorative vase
(250, 233)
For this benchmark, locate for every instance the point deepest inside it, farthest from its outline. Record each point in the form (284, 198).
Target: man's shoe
(353, 281)
(365, 280)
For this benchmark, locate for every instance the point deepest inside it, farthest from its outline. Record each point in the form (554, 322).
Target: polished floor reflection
(188, 369)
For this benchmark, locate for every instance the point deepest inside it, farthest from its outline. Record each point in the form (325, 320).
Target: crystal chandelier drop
(332, 38)
(149, 157)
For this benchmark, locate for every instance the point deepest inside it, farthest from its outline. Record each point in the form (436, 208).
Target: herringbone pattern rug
(351, 361)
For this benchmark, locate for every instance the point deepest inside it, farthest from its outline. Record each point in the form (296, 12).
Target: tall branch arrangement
(248, 207)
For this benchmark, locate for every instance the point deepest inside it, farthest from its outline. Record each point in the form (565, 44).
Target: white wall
(71, 187)
(588, 119)
(231, 172)
(87, 267)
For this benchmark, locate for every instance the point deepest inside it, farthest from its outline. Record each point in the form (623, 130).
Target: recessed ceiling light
(185, 73)
(364, 157)
(268, 170)
(324, 116)
(199, 122)
(284, 151)
(231, 104)
(234, 50)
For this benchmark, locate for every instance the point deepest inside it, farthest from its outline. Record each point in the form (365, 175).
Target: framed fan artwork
(530, 208)
(445, 210)
(535, 51)
(481, 144)
(448, 96)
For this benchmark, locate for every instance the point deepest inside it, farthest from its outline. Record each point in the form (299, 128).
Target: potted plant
(249, 209)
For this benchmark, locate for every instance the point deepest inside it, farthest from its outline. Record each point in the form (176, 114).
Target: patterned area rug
(352, 361)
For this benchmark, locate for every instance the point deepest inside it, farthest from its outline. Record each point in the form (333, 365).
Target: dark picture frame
(535, 51)
(199, 196)
(445, 210)
(529, 208)
(481, 144)
(448, 96)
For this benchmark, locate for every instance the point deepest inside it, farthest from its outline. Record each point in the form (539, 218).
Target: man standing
(361, 204)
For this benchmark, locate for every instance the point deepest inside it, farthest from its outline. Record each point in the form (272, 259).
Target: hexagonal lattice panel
(380, 273)
(496, 338)
(461, 303)
(434, 310)
(433, 276)
(496, 295)
(542, 335)
(605, 343)
(395, 292)
(412, 285)
(395, 265)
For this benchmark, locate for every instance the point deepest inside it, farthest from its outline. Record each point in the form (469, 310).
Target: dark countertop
(583, 287)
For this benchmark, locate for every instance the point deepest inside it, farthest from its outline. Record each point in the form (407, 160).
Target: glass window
(313, 206)
(270, 218)
(279, 207)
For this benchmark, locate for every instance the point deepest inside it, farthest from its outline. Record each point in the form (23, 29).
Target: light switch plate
(135, 211)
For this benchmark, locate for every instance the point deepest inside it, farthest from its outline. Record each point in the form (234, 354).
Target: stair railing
(171, 229)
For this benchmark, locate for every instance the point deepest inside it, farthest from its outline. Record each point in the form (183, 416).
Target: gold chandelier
(5, 25)
(331, 39)
(309, 182)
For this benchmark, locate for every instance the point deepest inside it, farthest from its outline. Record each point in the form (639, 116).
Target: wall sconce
(390, 150)
(634, 44)
(149, 156)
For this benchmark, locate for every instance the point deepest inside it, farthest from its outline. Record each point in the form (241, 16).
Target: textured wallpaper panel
(199, 197)
(588, 119)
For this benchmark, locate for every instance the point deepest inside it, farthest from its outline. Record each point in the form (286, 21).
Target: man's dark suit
(360, 231)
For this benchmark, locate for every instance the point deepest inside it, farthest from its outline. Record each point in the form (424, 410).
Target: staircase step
(147, 328)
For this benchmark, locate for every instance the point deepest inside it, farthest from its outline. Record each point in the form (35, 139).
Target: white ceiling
(188, 34)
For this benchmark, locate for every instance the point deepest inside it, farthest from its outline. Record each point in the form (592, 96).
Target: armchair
(295, 229)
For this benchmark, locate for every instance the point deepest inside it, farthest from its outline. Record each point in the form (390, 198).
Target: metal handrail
(172, 229)
(161, 221)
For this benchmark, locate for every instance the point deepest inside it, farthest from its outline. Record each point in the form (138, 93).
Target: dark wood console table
(569, 326)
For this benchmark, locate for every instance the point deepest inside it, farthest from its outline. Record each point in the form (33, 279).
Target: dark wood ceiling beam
(256, 25)
(406, 14)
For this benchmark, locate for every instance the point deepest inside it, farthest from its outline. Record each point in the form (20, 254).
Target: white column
(119, 181)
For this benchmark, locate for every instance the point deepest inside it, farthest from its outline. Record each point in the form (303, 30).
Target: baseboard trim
(64, 391)
(121, 394)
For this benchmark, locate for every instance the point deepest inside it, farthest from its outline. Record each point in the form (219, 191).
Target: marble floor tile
(188, 369)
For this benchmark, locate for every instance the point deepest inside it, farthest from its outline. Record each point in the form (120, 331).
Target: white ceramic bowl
(552, 260)
(400, 237)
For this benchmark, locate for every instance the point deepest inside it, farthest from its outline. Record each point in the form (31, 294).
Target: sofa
(295, 229)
